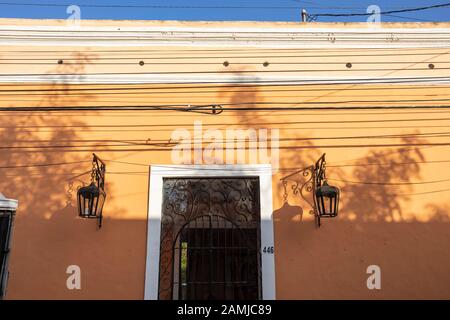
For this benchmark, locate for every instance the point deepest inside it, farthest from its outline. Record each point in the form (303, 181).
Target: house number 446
(268, 250)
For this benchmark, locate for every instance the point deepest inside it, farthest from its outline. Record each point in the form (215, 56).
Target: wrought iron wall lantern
(91, 198)
(325, 202)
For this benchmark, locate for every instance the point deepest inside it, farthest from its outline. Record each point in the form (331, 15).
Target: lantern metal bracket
(314, 176)
(98, 176)
(98, 171)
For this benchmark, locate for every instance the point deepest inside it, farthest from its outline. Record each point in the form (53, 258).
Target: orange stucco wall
(403, 228)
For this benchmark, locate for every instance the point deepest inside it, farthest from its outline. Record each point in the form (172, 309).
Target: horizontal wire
(138, 61)
(219, 123)
(131, 114)
(220, 105)
(407, 18)
(255, 169)
(197, 141)
(175, 167)
(359, 128)
(68, 90)
(38, 165)
(261, 113)
(442, 5)
(194, 109)
(229, 106)
(421, 193)
(256, 82)
(227, 169)
(169, 144)
(86, 52)
(389, 183)
(403, 194)
(290, 169)
(145, 174)
(330, 146)
(132, 100)
(220, 72)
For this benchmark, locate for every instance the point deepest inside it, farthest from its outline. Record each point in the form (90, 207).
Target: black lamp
(327, 200)
(91, 198)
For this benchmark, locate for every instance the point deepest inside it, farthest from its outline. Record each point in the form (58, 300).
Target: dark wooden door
(210, 239)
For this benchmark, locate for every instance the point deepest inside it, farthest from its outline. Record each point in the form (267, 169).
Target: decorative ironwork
(315, 183)
(92, 198)
(210, 239)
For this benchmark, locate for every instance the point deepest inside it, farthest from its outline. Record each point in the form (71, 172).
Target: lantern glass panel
(88, 198)
(327, 202)
(327, 198)
(91, 201)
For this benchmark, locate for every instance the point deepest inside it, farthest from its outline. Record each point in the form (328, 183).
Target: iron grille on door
(210, 239)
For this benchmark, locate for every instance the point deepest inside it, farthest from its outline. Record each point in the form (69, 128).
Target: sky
(216, 10)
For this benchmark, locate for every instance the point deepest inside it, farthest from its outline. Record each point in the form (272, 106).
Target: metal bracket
(314, 175)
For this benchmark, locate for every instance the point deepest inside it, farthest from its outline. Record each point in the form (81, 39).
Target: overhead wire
(435, 6)
(272, 82)
(171, 143)
(254, 123)
(150, 90)
(220, 72)
(69, 148)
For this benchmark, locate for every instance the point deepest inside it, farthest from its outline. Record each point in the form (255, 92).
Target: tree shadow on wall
(244, 95)
(438, 213)
(331, 262)
(48, 235)
(42, 138)
(49, 191)
(376, 187)
(292, 157)
(379, 192)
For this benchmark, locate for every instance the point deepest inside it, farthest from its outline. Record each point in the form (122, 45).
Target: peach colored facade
(399, 220)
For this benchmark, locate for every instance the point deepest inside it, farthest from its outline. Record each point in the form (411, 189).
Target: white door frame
(158, 172)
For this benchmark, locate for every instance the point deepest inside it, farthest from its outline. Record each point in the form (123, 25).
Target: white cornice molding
(278, 37)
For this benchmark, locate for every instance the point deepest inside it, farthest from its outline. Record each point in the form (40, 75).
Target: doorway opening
(210, 239)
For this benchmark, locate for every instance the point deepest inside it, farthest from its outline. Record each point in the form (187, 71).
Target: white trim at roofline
(210, 35)
(158, 172)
